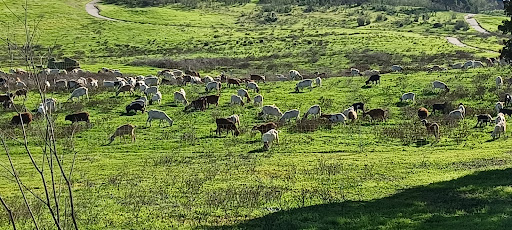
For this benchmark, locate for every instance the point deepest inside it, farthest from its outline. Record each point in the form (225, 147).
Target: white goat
(347, 111)
(158, 115)
(49, 105)
(151, 80)
(212, 85)
(338, 117)
(499, 82)
(314, 110)
(355, 72)
(253, 86)
(258, 100)
(236, 100)
(397, 68)
(294, 113)
(408, 96)
(180, 96)
(295, 75)
(235, 119)
(151, 90)
(79, 92)
(318, 81)
(440, 85)
(269, 137)
(207, 79)
(156, 97)
(303, 84)
(499, 129)
(243, 93)
(270, 110)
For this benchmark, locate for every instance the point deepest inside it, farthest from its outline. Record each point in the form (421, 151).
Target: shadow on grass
(477, 201)
(366, 87)
(259, 150)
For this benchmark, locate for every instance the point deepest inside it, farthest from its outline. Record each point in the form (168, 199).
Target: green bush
(461, 25)
(361, 21)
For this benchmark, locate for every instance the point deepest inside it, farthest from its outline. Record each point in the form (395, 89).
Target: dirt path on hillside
(473, 23)
(93, 10)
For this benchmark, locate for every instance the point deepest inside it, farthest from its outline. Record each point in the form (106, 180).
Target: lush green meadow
(186, 176)
(361, 175)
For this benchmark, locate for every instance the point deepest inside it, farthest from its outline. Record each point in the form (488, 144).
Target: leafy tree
(506, 28)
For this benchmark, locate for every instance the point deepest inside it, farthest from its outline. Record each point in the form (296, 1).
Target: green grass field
(361, 175)
(186, 176)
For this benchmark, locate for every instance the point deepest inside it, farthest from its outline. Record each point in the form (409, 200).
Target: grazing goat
(508, 99)
(295, 75)
(6, 100)
(346, 111)
(375, 114)
(20, 92)
(134, 106)
(49, 105)
(440, 106)
(499, 129)
(226, 124)
(20, 84)
(432, 128)
(506, 111)
(352, 115)
(270, 110)
(235, 119)
(294, 113)
(335, 118)
(499, 106)
(156, 97)
(233, 81)
(318, 81)
(76, 117)
(24, 118)
(258, 100)
(440, 85)
(236, 100)
(422, 113)
(124, 89)
(268, 138)
(198, 104)
(213, 85)
(253, 86)
(355, 72)
(456, 114)
(123, 130)
(263, 128)
(208, 79)
(397, 68)
(374, 79)
(499, 82)
(243, 93)
(151, 81)
(408, 96)
(483, 119)
(358, 105)
(500, 118)
(258, 78)
(151, 90)
(211, 99)
(314, 110)
(179, 96)
(303, 84)
(79, 92)
(158, 115)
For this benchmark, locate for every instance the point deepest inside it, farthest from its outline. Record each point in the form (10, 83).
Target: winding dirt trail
(93, 10)
(474, 24)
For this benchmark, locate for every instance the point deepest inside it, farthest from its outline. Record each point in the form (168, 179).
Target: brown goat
(199, 104)
(258, 78)
(352, 115)
(211, 99)
(432, 128)
(226, 124)
(20, 92)
(422, 113)
(233, 81)
(123, 130)
(83, 116)
(376, 114)
(125, 88)
(25, 117)
(263, 128)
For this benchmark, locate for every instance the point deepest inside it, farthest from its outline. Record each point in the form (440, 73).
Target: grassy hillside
(327, 39)
(185, 176)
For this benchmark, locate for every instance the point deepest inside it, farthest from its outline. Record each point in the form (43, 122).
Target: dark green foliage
(461, 25)
(506, 28)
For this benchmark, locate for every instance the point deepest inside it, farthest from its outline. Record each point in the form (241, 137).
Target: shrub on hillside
(461, 25)
(362, 21)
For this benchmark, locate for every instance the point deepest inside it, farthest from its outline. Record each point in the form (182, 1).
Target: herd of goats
(149, 85)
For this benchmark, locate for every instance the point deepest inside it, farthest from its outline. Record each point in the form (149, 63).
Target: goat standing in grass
(123, 130)
(158, 115)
